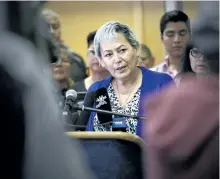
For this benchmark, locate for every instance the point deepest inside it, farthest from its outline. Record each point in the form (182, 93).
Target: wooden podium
(112, 155)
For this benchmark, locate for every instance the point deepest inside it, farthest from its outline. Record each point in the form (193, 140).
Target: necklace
(119, 96)
(128, 96)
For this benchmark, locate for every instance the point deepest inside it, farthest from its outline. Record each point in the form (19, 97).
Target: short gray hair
(109, 31)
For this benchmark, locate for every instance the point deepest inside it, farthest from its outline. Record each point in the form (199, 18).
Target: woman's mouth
(121, 68)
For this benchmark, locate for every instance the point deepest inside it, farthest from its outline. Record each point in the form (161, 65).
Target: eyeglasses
(61, 60)
(91, 52)
(196, 53)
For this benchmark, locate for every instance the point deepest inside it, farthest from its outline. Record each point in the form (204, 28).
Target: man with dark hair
(78, 71)
(146, 58)
(90, 38)
(175, 33)
(98, 72)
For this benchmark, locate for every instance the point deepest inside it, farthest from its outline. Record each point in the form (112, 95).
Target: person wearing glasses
(61, 70)
(78, 70)
(97, 71)
(194, 62)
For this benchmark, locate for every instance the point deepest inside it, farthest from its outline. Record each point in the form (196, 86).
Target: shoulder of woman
(162, 77)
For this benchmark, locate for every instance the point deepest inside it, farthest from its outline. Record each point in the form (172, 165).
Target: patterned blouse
(130, 108)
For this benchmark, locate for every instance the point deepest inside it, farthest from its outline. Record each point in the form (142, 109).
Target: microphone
(81, 93)
(71, 96)
(102, 105)
(90, 99)
(106, 113)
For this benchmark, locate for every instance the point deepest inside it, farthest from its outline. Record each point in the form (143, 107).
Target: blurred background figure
(195, 62)
(146, 58)
(54, 23)
(97, 71)
(206, 34)
(175, 33)
(61, 72)
(78, 71)
(183, 130)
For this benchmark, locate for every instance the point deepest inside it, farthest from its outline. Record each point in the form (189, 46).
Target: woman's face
(118, 57)
(61, 69)
(197, 62)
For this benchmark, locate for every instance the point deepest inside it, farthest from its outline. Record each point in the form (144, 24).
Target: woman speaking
(117, 48)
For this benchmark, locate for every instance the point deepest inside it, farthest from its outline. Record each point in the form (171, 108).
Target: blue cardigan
(151, 82)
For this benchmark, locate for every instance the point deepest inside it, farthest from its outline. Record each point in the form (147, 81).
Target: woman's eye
(122, 50)
(107, 55)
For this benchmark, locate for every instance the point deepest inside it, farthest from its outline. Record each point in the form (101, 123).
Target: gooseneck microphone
(71, 106)
(95, 98)
(84, 108)
(71, 96)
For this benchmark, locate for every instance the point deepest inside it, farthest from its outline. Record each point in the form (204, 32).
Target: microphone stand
(84, 108)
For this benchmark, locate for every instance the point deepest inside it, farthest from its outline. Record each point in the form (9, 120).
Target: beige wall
(191, 8)
(153, 11)
(80, 18)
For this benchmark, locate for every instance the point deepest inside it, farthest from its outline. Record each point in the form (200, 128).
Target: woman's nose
(117, 58)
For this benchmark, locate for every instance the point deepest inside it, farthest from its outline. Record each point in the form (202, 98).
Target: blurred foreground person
(34, 145)
(182, 132)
